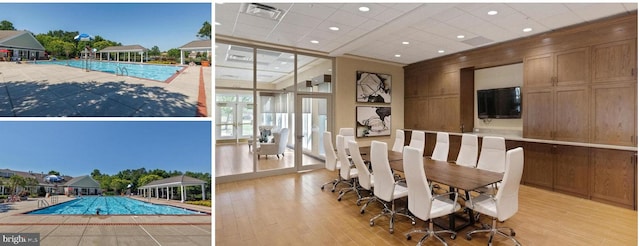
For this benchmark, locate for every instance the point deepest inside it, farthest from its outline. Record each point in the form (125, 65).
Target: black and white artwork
(373, 121)
(373, 87)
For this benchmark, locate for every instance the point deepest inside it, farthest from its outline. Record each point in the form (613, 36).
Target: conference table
(450, 174)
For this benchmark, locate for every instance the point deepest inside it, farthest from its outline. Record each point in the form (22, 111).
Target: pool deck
(55, 90)
(109, 229)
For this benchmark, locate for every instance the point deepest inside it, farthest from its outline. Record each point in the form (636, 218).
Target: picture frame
(373, 87)
(373, 121)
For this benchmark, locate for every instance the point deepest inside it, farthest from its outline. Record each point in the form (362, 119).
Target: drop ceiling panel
(374, 9)
(541, 10)
(347, 18)
(255, 21)
(388, 15)
(301, 20)
(592, 11)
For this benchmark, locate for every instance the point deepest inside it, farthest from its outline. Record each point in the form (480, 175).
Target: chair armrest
(455, 199)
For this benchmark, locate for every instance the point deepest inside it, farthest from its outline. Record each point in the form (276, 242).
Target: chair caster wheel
(361, 211)
(358, 203)
(468, 237)
(321, 187)
(390, 231)
(370, 223)
(413, 223)
(453, 236)
(333, 190)
(408, 237)
(340, 199)
(513, 234)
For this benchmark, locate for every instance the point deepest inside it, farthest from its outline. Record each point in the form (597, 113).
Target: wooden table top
(461, 177)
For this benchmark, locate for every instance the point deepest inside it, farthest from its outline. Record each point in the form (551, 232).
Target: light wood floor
(237, 159)
(292, 210)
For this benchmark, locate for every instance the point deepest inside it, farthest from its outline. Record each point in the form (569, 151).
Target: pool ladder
(54, 199)
(42, 203)
(121, 70)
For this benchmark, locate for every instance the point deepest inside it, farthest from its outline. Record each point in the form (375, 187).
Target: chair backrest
(441, 150)
(383, 177)
(507, 196)
(468, 155)
(417, 140)
(330, 158)
(342, 157)
(364, 176)
(492, 154)
(281, 139)
(348, 134)
(419, 202)
(399, 143)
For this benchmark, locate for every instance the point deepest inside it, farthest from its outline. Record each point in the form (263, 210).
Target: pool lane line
(202, 98)
(145, 230)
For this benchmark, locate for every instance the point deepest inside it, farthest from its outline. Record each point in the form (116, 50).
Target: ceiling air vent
(261, 10)
(477, 41)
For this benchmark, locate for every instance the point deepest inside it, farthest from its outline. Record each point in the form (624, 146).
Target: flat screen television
(500, 103)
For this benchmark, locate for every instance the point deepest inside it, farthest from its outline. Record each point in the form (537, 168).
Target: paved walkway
(54, 90)
(108, 229)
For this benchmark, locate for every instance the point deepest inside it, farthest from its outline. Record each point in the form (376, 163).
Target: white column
(181, 193)
(167, 193)
(181, 60)
(118, 56)
(203, 193)
(157, 194)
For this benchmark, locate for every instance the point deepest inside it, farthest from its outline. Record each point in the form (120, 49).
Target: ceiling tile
(594, 11)
(388, 15)
(448, 14)
(347, 18)
(301, 20)
(371, 25)
(320, 11)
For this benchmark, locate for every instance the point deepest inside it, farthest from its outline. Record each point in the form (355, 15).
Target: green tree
(154, 51)
(55, 46)
(147, 179)
(53, 172)
(118, 184)
(68, 47)
(96, 174)
(174, 53)
(105, 182)
(6, 25)
(205, 31)
(16, 181)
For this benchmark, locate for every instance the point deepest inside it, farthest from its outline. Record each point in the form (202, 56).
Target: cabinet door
(614, 175)
(538, 165)
(414, 118)
(614, 114)
(572, 67)
(538, 71)
(451, 114)
(436, 110)
(572, 170)
(538, 113)
(614, 61)
(572, 114)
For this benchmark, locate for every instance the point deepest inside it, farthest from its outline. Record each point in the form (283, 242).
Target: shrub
(206, 203)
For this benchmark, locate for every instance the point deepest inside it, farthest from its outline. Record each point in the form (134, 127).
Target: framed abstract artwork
(373, 121)
(373, 87)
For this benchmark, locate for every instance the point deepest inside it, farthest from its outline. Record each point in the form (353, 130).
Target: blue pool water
(111, 206)
(146, 71)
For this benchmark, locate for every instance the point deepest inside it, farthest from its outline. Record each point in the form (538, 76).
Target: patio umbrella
(83, 37)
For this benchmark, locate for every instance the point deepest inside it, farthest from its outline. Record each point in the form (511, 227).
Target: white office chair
(349, 135)
(399, 142)
(418, 139)
(422, 203)
(441, 150)
(387, 190)
(331, 162)
(348, 175)
(505, 203)
(365, 178)
(492, 157)
(468, 155)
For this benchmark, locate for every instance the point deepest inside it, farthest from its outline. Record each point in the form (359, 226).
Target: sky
(75, 148)
(167, 25)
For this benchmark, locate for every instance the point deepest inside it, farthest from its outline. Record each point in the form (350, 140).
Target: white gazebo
(198, 45)
(165, 186)
(128, 49)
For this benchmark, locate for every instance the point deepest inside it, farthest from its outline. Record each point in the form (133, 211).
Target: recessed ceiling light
(440, 51)
(334, 28)
(277, 67)
(492, 12)
(315, 41)
(218, 23)
(397, 55)
(290, 57)
(363, 9)
(283, 63)
(528, 29)
(460, 36)
(405, 42)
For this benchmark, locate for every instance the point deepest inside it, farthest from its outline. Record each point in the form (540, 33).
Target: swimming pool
(111, 206)
(145, 71)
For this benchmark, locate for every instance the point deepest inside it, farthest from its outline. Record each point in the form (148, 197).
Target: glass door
(234, 116)
(312, 115)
